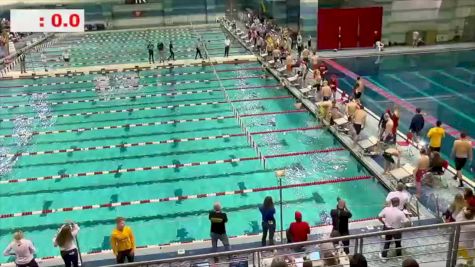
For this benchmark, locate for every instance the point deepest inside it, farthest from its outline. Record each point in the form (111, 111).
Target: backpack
(160, 46)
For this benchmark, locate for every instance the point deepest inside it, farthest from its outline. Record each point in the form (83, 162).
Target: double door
(349, 27)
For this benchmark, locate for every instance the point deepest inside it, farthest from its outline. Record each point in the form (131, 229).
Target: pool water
(118, 47)
(47, 116)
(441, 84)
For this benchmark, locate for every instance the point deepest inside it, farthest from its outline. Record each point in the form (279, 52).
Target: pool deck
(129, 66)
(396, 50)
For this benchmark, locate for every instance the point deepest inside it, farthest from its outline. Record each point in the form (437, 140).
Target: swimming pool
(442, 84)
(118, 47)
(173, 135)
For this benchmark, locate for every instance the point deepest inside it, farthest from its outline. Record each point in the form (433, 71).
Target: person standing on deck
(359, 121)
(227, 44)
(395, 118)
(359, 88)
(22, 63)
(218, 221)
(150, 53)
(161, 51)
(435, 135)
(65, 239)
(268, 221)
(417, 124)
(123, 242)
(23, 249)
(462, 151)
(421, 169)
(172, 54)
(392, 218)
(198, 48)
(340, 217)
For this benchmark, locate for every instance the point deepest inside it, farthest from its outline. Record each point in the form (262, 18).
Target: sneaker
(383, 259)
(461, 185)
(455, 177)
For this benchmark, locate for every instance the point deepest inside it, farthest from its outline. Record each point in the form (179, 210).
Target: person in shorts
(462, 152)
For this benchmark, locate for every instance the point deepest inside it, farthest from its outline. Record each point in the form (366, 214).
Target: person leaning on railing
(23, 250)
(65, 239)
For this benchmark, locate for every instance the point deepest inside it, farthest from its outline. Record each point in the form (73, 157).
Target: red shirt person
(299, 230)
(333, 85)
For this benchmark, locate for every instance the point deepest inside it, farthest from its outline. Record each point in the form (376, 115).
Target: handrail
(300, 244)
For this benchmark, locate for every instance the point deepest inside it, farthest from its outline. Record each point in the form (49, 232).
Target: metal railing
(447, 243)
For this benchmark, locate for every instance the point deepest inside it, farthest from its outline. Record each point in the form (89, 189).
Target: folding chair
(403, 174)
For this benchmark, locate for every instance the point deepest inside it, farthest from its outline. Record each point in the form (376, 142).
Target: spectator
(298, 230)
(22, 63)
(436, 134)
(65, 239)
(218, 227)
(278, 262)
(334, 85)
(462, 152)
(161, 51)
(400, 194)
(392, 218)
(198, 45)
(469, 198)
(150, 53)
(227, 43)
(172, 54)
(268, 221)
(358, 260)
(340, 219)
(417, 124)
(123, 241)
(410, 262)
(455, 208)
(23, 249)
(467, 235)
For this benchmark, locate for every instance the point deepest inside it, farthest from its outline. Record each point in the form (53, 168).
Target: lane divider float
(170, 166)
(169, 141)
(180, 198)
(145, 124)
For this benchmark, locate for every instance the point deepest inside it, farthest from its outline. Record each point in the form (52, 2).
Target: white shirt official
(393, 217)
(401, 195)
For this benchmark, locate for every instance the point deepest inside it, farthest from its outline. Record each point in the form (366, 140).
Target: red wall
(349, 27)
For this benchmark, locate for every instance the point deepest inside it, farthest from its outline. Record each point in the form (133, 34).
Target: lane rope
(129, 110)
(170, 166)
(180, 198)
(169, 141)
(100, 99)
(146, 124)
(92, 80)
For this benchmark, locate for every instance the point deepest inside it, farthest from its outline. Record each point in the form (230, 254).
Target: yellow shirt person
(123, 241)
(436, 134)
